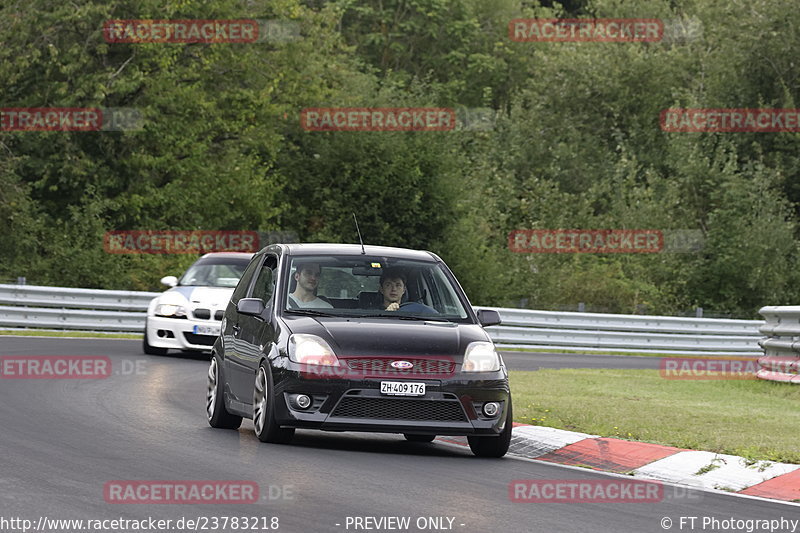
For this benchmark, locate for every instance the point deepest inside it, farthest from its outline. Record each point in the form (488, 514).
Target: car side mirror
(250, 306)
(488, 317)
(169, 281)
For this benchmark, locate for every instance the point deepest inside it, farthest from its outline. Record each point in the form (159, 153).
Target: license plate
(402, 388)
(206, 330)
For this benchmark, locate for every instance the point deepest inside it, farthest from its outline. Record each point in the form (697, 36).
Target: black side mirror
(250, 306)
(488, 317)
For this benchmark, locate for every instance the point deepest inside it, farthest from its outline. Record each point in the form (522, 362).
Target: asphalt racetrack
(64, 440)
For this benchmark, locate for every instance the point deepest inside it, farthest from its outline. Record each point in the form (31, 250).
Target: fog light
(303, 401)
(490, 409)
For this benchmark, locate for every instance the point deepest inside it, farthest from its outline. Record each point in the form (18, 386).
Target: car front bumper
(179, 333)
(451, 406)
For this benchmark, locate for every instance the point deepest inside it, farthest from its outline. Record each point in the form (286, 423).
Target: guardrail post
(21, 280)
(781, 360)
(698, 312)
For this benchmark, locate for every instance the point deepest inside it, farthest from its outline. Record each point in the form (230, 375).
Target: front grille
(219, 314)
(383, 366)
(400, 409)
(202, 314)
(203, 340)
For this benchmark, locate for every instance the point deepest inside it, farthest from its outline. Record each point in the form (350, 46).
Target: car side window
(265, 283)
(244, 282)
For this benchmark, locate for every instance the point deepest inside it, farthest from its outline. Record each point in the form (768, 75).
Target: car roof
(223, 258)
(233, 255)
(306, 249)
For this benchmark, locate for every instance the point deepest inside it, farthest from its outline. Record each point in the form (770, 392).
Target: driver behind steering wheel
(393, 287)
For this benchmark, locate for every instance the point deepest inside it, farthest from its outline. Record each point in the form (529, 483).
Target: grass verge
(755, 419)
(78, 334)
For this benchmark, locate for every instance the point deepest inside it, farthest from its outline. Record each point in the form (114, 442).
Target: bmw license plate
(206, 330)
(402, 388)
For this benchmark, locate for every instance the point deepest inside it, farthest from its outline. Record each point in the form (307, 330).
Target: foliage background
(576, 144)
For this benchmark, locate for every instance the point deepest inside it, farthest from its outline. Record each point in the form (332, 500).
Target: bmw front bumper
(181, 333)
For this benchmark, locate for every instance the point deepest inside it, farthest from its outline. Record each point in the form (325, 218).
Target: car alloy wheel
(260, 401)
(211, 394)
(217, 415)
(267, 430)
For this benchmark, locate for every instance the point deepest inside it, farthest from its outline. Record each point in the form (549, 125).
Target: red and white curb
(719, 471)
(694, 469)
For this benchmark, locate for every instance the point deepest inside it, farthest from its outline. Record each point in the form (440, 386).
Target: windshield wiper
(307, 312)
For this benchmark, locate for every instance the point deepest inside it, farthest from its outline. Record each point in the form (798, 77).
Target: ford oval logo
(401, 364)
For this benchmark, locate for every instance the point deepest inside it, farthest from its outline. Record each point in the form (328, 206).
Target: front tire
(151, 350)
(494, 446)
(267, 429)
(217, 415)
(419, 438)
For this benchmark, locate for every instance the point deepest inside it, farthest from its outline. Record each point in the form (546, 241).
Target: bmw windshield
(216, 272)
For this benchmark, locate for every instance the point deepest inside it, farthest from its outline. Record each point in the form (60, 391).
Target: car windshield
(214, 274)
(380, 287)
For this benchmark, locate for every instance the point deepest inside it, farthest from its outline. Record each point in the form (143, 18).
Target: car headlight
(481, 357)
(311, 350)
(171, 311)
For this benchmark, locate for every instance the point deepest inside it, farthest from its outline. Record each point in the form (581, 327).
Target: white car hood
(194, 297)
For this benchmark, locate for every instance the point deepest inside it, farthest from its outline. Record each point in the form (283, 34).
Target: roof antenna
(363, 251)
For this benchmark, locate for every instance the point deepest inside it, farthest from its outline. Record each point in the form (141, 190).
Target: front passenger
(305, 294)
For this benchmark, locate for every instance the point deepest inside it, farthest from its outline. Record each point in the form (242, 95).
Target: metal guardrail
(26, 306)
(71, 319)
(781, 359)
(30, 295)
(601, 332)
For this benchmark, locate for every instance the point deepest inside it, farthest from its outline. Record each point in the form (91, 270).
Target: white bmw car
(189, 314)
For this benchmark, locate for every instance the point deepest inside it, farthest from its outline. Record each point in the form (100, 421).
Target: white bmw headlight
(481, 357)
(311, 350)
(171, 310)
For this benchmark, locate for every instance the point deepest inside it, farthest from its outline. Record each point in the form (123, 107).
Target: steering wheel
(433, 311)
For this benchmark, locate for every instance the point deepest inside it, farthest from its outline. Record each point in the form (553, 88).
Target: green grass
(751, 418)
(81, 334)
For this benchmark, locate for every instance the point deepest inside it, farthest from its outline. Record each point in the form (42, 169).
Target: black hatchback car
(349, 338)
